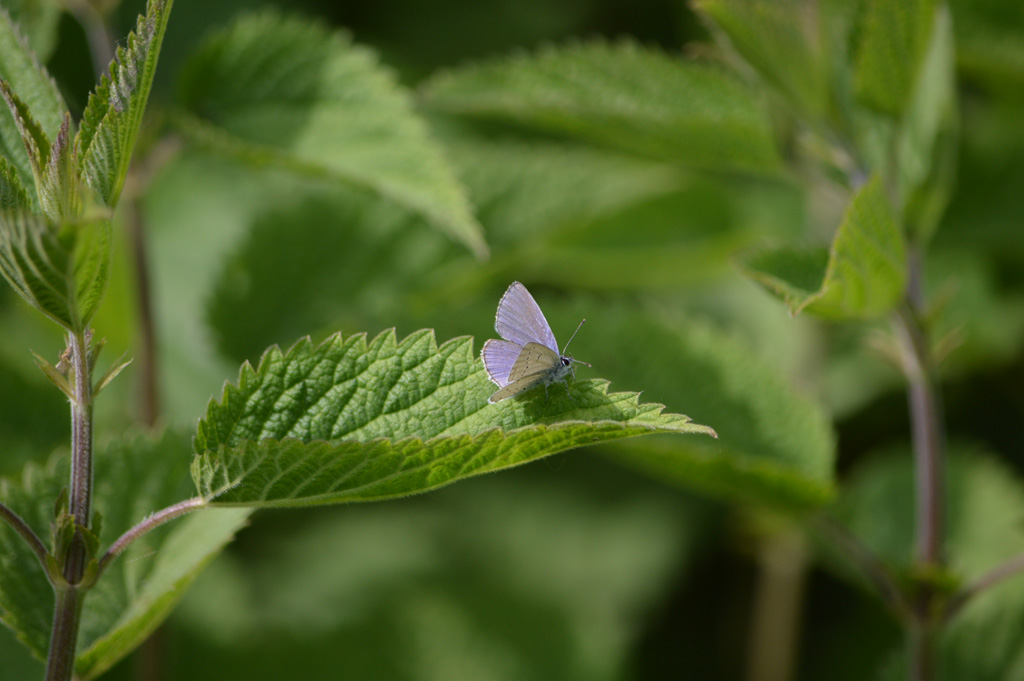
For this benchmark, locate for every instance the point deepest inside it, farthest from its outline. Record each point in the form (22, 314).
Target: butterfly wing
(520, 320)
(499, 356)
(533, 367)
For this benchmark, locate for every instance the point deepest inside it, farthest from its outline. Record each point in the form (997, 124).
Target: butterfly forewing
(520, 320)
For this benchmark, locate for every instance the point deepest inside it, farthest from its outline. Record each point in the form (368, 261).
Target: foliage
(777, 218)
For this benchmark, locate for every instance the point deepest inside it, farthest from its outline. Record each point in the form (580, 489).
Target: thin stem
(22, 528)
(96, 32)
(873, 569)
(925, 414)
(986, 581)
(68, 604)
(928, 447)
(149, 402)
(81, 447)
(150, 523)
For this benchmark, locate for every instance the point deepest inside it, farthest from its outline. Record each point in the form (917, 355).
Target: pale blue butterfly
(528, 357)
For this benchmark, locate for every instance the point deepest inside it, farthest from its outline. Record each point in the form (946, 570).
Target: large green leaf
(928, 154)
(892, 42)
(38, 21)
(557, 590)
(774, 445)
(863, 276)
(349, 420)
(113, 116)
(27, 78)
(59, 270)
(782, 42)
(26, 597)
(133, 479)
(285, 91)
(624, 96)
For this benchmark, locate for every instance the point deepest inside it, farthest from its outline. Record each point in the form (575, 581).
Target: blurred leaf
(982, 322)
(286, 91)
(133, 479)
(780, 41)
(37, 20)
(61, 271)
(350, 421)
(525, 191)
(774, 446)
(33, 416)
(352, 259)
(113, 116)
(927, 142)
(26, 597)
(26, 77)
(624, 96)
(892, 43)
(450, 582)
(864, 273)
(985, 526)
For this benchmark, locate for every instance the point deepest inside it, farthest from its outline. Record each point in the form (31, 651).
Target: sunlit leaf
(288, 92)
(113, 116)
(349, 420)
(862, 276)
(623, 96)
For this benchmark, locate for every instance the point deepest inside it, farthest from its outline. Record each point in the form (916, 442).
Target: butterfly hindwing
(534, 359)
(499, 357)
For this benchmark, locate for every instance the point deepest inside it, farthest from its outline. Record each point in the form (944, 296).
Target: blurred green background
(577, 567)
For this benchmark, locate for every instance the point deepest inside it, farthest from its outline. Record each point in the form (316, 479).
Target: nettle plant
(856, 101)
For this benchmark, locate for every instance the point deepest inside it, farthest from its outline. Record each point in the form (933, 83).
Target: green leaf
(26, 597)
(863, 275)
(625, 96)
(38, 21)
(61, 271)
(57, 181)
(13, 195)
(113, 115)
(354, 421)
(284, 91)
(774, 445)
(928, 138)
(892, 41)
(984, 527)
(133, 479)
(779, 40)
(24, 75)
(432, 572)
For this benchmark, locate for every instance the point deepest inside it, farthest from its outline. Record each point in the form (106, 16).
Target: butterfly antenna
(582, 321)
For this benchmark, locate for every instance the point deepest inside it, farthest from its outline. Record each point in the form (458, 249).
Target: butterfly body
(528, 356)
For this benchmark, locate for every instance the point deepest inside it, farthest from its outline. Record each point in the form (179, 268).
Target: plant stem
(150, 523)
(925, 415)
(22, 528)
(96, 32)
(68, 605)
(870, 566)
(68, 610)
(149, 398)
(1005, 571)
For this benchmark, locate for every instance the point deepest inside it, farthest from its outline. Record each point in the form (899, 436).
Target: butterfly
(528, 356)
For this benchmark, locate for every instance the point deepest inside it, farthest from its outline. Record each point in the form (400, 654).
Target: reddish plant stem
(26, 532)
(69, 598)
